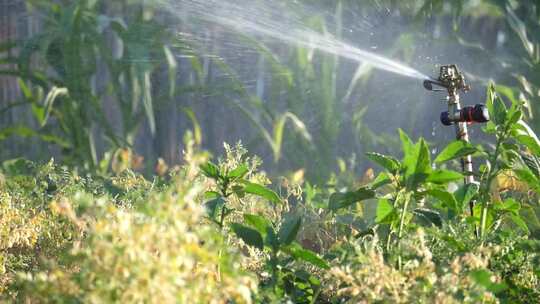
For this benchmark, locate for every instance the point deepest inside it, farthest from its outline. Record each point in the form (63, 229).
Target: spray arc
(453, 82)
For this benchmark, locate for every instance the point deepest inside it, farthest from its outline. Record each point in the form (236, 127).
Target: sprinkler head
(450, 79)
(428, 85)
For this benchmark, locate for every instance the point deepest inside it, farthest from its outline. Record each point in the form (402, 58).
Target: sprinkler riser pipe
(452, 81)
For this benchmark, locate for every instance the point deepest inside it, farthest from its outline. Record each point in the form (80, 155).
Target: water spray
(452, 81)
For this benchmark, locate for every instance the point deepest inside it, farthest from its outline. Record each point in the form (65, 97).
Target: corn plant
(65, 60)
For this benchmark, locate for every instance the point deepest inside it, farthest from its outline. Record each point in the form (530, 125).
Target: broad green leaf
(384, 210)
(528, 177)
(418, 164)
(532, 162)
(490, 218)
(210, 170)
(499, 111)
(211, 195)
(406, 143)
(446, 198)
(387, 162)
(514, 116)
(250, 236)
(443, 176)
(258, 222)
(239, 190)
(529, 142)
(238, 172)
(526, 136)
(289, 229)
(213, 207)
(261, 191)
(465, 194)
(432, 216)
(381, 180)
(299, 253)
(508, 205)
(455, 150)
(343, 200)
(516, 218)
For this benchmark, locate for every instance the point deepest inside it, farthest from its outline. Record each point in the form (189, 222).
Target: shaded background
(82, 80)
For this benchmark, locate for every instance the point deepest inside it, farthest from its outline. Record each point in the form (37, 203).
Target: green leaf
(384, 210)
(210, 170)
(465, 194)
(261, 191)
(53, 94)
(526, 136)
(508, 205)
(532, 162)
(446, 198)
(456, 149)
(443, 176)
(429, 215)
(520, 28)
(258, 222)
(490, 96)
(250, 236)
(272, 238)
(516, 218)
(26, 132)
(238, 172)
(406, 142)
(343, 200)
(418, 165)
(387, 162)
(499, 111)
(148, 101)
(381, 180)
(299, 253)
(528, 177)
(289, 229)
(483, 278)
(197, 132)
(279, 128)
(214, 206)
(172, 66)
(211, 195)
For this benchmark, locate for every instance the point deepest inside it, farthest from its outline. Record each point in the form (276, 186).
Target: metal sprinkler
(452, 81)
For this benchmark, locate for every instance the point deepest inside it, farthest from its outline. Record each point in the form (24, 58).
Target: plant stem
(492, 173)
(402, 218)
(401, 225)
